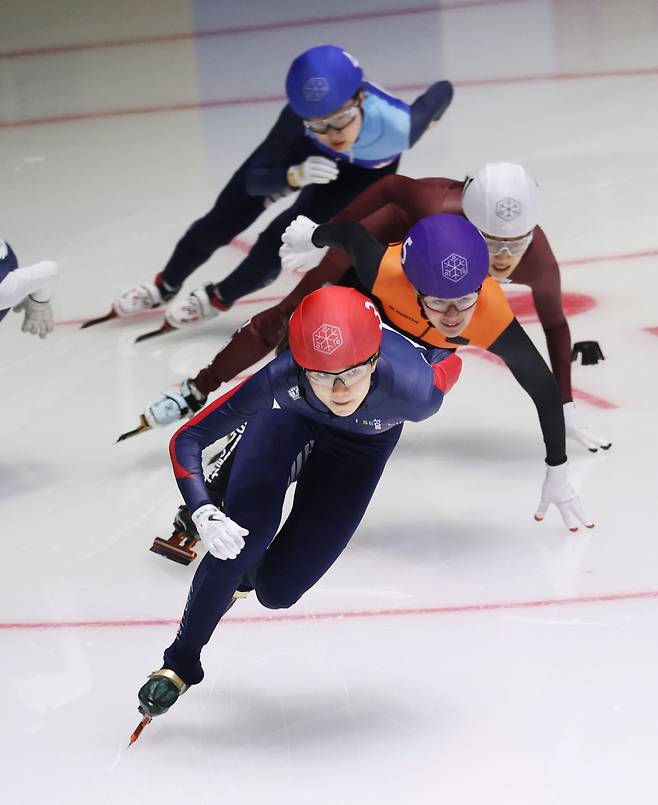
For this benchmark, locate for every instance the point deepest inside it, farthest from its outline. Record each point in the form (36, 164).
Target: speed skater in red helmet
(337, 344)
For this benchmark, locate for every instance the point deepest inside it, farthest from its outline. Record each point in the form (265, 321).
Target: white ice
(481, 657)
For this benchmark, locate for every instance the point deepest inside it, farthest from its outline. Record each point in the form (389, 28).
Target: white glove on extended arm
(313, 170)
(592, 441)
(298, 250)
(299, 233)
(301, 261)
(28, 289)
(38, 318)
(223, 538)
(558, 490)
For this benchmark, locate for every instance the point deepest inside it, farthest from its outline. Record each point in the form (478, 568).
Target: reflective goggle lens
(515, 246)
(336, 122)
(441, 305)
(348, 378)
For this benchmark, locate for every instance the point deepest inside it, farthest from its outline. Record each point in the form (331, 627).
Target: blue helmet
(445, 256)
(321, 80)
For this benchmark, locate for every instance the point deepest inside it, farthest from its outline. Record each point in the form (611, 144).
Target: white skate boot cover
(137, 300)
(190, 309)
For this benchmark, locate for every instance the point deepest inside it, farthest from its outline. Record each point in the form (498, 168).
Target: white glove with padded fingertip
(301, 261)
(298, 235)
(576, 430)
(557, 490)
(38, 318)
(313, 170)
(223, 538)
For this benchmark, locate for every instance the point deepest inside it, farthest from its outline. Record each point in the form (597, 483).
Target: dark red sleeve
(539, 269)
(261, 334)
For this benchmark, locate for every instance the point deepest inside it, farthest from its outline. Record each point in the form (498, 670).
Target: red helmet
(334, 328)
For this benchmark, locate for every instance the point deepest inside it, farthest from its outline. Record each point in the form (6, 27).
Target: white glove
(301, 261)
(223, 538)
(558, 490)
(592, 441)
(313, 170)
(38, 316)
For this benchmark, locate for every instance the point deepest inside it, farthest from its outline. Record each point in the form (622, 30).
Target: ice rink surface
(458, 652)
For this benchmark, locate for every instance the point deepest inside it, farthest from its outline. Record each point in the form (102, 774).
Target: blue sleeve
(429, 107)
(424, 377)
(211, 423)
(8, 263)
(284, 146)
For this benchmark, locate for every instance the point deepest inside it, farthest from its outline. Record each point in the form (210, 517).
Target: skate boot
(203, 303)
(159, 692)
(179, 546)
(143, 297)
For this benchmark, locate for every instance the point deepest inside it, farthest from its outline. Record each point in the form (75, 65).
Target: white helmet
(501, 200)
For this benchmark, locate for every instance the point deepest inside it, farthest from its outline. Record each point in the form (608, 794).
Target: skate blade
(166, 328)
(177, 553)
(108, 317)
(138, 729)
(143, 426)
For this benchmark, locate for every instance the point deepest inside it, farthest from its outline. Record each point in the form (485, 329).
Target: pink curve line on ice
(603, 258)
(652, 330)
(215, 104)
(158, 39)
(355, 614)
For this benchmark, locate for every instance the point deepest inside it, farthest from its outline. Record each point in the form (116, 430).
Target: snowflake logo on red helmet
(454, 267)
(508, 208)
(315, 88)
(327, 338)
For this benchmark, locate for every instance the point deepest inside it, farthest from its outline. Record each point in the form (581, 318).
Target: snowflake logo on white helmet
(508, 208)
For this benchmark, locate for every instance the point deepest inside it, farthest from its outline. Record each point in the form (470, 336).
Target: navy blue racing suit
(334, 487)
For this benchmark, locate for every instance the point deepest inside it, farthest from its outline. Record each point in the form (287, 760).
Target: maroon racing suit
(388, 210)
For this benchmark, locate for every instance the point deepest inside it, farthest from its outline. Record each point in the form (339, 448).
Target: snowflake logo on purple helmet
(508, 208)
(315, 89)
(454, 267)
(327, 338)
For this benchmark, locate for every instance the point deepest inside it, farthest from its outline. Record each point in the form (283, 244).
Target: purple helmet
(445, 256)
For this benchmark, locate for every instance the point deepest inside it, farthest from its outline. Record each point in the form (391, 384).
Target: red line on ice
(213, 104)
(592, 399)
(331, 616)
(158, 39)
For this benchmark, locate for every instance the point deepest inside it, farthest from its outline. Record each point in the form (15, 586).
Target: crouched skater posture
(339, 397)
(336, 136)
